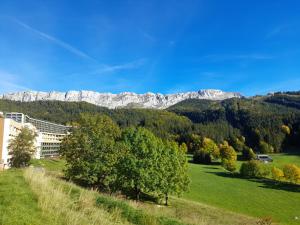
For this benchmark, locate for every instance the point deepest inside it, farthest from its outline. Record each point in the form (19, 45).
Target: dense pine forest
(271, 122)
(272, 119)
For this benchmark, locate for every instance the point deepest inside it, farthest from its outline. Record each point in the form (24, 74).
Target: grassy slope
(186, 211)
(28, 198)
(67, 203)
(196, 213)
(18, 204)
(49, 164)
(212, 185)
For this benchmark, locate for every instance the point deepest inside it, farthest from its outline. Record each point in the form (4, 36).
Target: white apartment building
(48, 140)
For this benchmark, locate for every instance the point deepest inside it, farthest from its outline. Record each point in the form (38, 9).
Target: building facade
(48, 140)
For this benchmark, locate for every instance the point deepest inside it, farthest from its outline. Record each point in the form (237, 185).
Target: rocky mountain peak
(124, 99)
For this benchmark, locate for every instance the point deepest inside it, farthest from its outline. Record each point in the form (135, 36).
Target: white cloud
(114, 68)
(55, 40)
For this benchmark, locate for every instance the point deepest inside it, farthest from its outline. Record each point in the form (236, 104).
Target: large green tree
(173, 168)
(22, 147)
(138, 168)
(91, 151)
(151, 165)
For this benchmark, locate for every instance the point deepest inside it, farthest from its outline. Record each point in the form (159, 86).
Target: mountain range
(122, 100)
(258, 119)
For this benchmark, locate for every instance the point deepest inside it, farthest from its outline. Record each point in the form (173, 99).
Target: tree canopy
(133, 160)
(90, 151)
(22, 147)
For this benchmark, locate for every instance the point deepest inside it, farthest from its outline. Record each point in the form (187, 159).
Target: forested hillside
(289, 99)
(272, 119)
(163, 123)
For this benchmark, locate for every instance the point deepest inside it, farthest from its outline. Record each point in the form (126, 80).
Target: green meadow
(213, 186)
(255, 197)
(215, 197)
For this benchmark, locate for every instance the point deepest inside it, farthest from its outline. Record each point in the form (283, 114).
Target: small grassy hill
(27, 197)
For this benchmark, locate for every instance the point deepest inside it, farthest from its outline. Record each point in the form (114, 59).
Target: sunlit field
(212, 185)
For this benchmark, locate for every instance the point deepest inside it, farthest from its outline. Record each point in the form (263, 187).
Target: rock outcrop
(125, 99)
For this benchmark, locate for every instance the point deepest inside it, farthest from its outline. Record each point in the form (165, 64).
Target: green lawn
(213, 186)
(18, 204)
(284, 158)
(49, 164)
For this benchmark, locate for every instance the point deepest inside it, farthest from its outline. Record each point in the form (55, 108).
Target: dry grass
(195, 213)
(66, 203)
(69, 204)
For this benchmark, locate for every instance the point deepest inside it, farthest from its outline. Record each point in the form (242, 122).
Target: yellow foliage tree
(277, 174)
(292, 173)
(228, 156)
(285, 129)
(211, 147)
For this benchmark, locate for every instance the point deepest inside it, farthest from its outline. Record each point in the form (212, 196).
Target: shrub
(277, 174)
(264, 171)
(229, 165)
(254, 168)
(227, 152)
(201, 156)
(249, 169)
(248, 153)
(292, 173)
(206, 152)
(237, 143)
(228, 156)
(265, 148)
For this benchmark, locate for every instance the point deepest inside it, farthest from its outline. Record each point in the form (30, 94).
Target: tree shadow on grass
(264, 182)
(144, 197)
(271, 184)
(226, 174)
(211, 168)
(241, 158)
(214, 163)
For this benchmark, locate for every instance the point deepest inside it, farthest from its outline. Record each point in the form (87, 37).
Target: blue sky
(252, 46)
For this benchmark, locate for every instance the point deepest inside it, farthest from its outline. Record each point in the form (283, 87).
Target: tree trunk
(111, 192)
(166, 199)
(137, 193)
